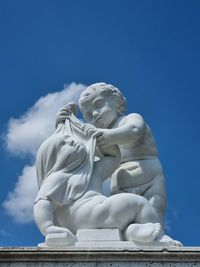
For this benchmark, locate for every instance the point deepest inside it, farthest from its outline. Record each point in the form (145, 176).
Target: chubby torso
(143, 148)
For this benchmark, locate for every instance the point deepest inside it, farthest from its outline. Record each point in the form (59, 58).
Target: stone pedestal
(102, 257)
(98, 238)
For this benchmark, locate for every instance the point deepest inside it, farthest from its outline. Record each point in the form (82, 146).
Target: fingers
(91, 130)
(59, 120)
(88, 129)
(63, 114)
(97, 134)
(65, 110)
(66, 113)
(62, 118)
(68, 109)
(71, 107)
(65, 107)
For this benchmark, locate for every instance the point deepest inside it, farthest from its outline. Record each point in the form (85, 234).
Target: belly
(135, 173)
(131, 153)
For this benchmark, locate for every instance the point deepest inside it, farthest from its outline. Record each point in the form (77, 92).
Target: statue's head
(101, 104)
(70, 154)
(59, 153)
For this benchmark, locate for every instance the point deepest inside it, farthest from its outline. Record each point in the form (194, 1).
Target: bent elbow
(137, 132)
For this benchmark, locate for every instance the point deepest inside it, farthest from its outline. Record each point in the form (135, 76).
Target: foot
(144, 233)
(168, 241)
(58, 236)
(55, 230)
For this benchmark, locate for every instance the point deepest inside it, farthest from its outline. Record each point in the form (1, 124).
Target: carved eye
(99, 103)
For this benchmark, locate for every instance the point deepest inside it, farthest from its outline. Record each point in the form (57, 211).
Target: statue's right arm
(65, 112)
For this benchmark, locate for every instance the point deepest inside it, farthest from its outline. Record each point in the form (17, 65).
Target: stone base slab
(97, 238)
(98, 235)
(78, 257)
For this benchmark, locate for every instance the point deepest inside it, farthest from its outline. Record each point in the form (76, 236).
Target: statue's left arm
(129, 131)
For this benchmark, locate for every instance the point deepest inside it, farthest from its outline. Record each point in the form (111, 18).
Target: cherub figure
(140, 171)
(70, 195)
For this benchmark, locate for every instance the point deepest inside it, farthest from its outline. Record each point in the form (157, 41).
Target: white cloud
(26, 133)
(19, 203)
(24, 136)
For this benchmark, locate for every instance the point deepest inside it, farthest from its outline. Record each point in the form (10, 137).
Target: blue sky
(50, 49)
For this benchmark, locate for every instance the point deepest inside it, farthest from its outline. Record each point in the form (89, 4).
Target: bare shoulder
(131, 118)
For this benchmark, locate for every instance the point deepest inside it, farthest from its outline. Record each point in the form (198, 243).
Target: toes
(157, 230)
(56, 229)
(177, 243)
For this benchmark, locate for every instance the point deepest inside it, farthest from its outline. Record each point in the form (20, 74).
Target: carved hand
(65, 112)
(90, 130)
(105, 138)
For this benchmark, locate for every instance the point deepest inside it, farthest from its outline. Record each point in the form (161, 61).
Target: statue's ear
(120, 104)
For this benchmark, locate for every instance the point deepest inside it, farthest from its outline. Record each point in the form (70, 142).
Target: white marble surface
(140, 171)
(98, 235)
(70, 180)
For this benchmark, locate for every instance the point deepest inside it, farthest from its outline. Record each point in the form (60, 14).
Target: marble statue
(140, 171)
(75, 160)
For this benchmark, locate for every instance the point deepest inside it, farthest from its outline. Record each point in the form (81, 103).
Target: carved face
(73, 146)
(99, 110)
(70, 154)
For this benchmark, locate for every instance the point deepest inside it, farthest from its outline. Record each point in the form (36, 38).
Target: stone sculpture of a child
(70, 196)
(140, 171)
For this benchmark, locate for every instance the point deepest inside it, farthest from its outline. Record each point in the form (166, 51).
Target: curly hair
(106, 90)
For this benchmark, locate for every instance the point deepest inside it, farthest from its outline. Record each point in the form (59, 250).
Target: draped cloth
(64, 172)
